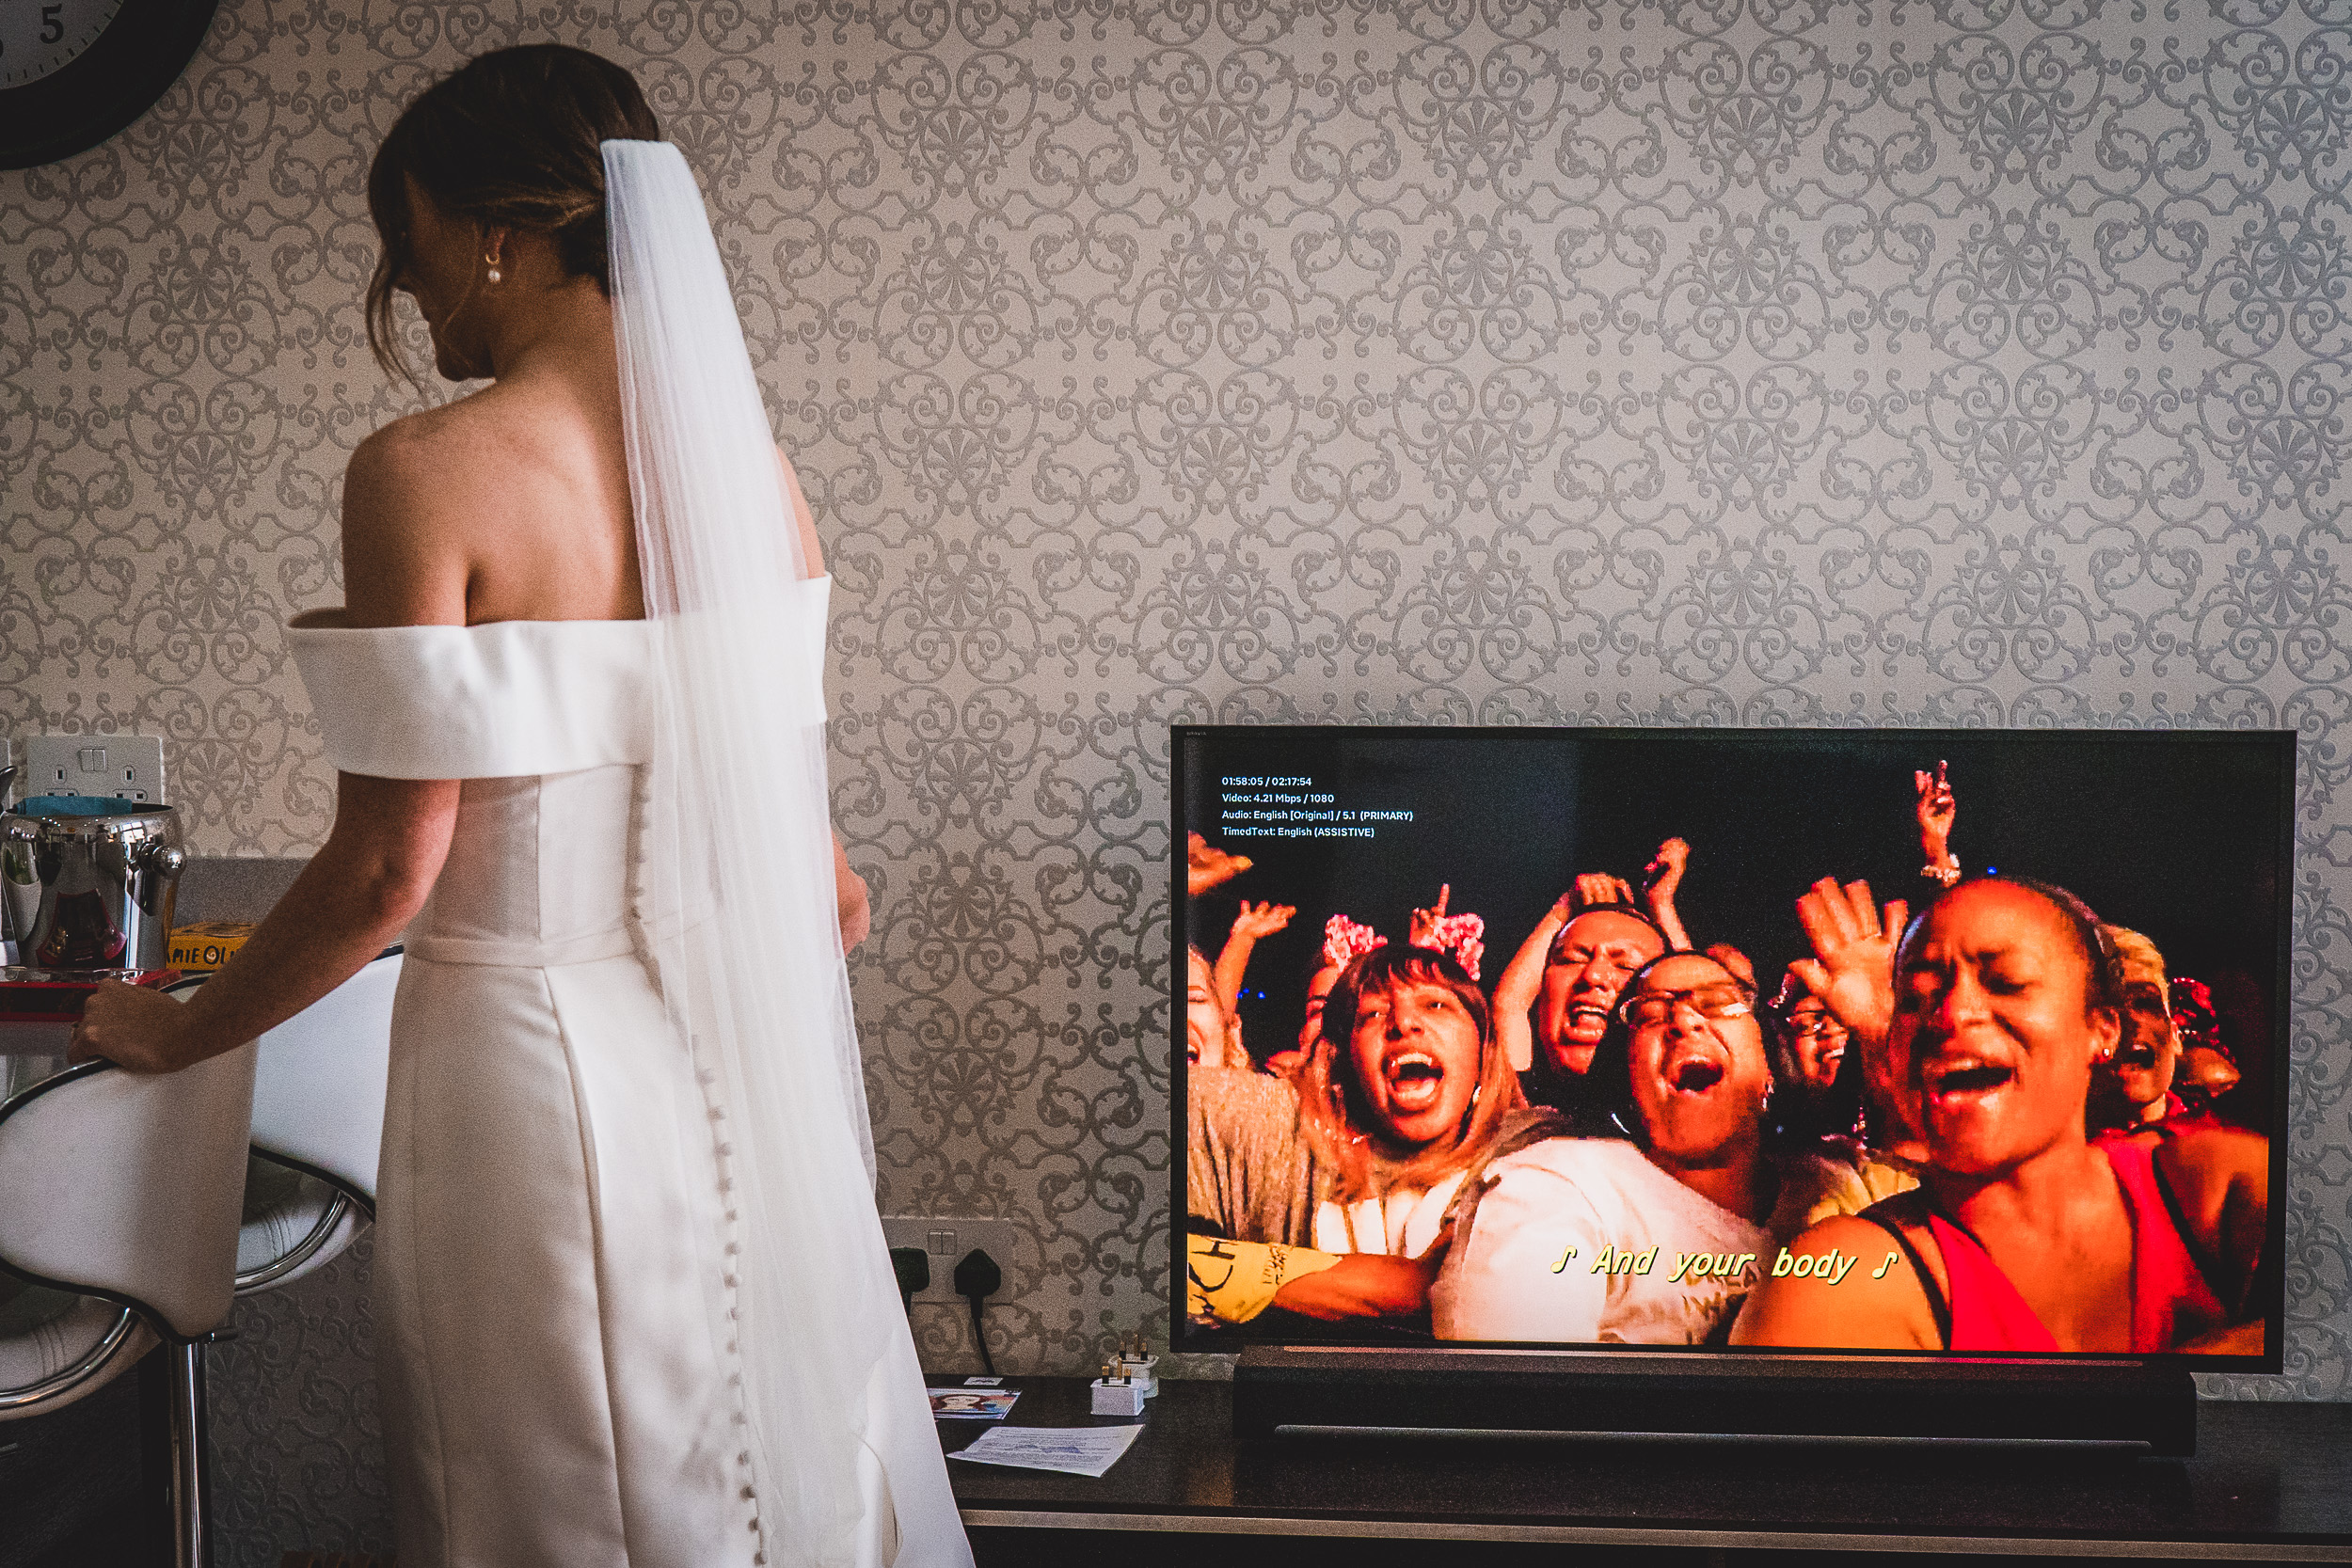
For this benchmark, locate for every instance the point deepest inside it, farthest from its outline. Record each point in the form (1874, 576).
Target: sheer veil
(736, 904)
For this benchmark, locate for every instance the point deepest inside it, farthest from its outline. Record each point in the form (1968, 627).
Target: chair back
(318, 1088)
(129, 1186)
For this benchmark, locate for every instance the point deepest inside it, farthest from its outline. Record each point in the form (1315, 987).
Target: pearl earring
(493, 260)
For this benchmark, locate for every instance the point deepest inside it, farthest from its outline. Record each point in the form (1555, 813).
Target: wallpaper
(1646, 361)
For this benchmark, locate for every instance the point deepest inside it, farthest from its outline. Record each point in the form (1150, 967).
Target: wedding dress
(627, 1257)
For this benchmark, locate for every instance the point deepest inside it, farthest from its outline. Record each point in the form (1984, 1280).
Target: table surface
(2271, 1480)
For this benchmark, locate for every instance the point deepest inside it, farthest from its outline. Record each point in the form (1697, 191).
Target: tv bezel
(1185, 1337)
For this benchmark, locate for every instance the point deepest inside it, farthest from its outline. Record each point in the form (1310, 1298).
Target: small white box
(1141, 1369)
(1118, 1399)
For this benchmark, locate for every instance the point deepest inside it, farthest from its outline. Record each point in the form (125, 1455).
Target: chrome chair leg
(191, 1467)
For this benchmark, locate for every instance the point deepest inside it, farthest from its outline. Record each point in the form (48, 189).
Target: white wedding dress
(554, 1268)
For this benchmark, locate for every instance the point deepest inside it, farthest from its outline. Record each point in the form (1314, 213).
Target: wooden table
(2269, 1482)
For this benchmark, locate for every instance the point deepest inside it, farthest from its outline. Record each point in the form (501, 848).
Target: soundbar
(1307, 1391)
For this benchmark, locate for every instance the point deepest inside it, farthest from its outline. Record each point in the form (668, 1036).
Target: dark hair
(1612, 1073)
(2103, 967)
(512, 137)
(1384, 967)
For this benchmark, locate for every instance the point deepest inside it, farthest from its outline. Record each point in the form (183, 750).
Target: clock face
(73, 72)
(38, 37)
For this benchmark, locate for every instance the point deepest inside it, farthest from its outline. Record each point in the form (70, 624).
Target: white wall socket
(126, 766)
(946, 1241)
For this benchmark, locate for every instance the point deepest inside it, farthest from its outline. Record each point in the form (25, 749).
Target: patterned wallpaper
(1672, 362)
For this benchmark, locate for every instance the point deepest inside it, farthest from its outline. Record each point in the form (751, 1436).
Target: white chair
(124, 1190)
(318, 1127)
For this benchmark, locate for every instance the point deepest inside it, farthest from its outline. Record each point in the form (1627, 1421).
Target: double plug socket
(121, 767)
(947, 1242)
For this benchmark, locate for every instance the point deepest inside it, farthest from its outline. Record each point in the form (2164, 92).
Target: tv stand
(2267, 1482)
(1308, 1391)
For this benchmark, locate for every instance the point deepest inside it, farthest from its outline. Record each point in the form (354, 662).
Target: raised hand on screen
(1597, 890)
(1659, 878)
(1852, 967)
(1206, 865)
(1937, 809)
(1260, 921)
(1464, 936)
(1423, 929)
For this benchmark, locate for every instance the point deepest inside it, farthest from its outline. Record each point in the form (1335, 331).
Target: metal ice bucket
(87, 883)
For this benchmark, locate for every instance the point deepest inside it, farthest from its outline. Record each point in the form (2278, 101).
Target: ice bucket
(87, 883)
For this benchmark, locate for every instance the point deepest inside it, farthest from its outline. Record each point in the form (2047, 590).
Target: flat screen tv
(1612, 1041)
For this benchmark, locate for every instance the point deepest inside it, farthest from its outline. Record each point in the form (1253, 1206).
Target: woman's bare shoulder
(423, 445)
(409, 494)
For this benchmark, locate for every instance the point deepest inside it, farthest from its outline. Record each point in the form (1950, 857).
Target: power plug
(977, 1278)
(913, 1266)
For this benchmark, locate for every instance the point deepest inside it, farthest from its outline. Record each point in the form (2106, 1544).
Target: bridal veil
(738, 863)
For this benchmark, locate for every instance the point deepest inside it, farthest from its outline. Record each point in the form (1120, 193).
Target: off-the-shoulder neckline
(330, 617)
(318, 620)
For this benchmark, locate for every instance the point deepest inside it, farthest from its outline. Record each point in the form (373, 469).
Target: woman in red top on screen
(2026, 1236)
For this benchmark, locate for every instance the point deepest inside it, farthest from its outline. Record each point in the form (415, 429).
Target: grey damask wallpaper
(1687, 361)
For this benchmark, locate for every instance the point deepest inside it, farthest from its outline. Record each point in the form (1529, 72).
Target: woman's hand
(1853, 968)
(1597, 890)
(1659, 878)
(1936, 809)
(853, 903)
(1257, 922)
(1663, 874)
(1233, 959)
(1423, 932)
(1206, 865)
(138, 1029)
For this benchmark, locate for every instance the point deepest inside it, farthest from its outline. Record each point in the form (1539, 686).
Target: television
(1502, 1056)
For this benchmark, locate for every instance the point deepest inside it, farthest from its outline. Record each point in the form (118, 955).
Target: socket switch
(126, 766)
(946, 1241)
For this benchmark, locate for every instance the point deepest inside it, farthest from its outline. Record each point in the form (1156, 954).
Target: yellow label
(206, 944)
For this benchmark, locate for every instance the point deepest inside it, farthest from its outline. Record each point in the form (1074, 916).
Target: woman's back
(511, 504)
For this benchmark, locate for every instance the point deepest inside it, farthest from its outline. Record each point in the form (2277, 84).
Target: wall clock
(73, 72)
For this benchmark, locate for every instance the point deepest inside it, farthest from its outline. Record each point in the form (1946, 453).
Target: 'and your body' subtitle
(1831, 1266)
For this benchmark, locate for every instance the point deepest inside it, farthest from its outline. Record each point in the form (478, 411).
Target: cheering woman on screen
(2026, 1236)
(633, 1302)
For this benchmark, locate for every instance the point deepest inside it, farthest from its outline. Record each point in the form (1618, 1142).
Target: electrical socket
(946, 1241)
(126, 766)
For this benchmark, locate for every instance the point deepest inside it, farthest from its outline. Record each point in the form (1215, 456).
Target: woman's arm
(1659, 878)
(2220, 1179)
(405, 562)
(1364, 1285)
(1521, 979)
(852, 907)
(1255, 923)
(349, 904)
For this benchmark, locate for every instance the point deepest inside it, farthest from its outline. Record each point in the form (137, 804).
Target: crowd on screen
(1990, 1128)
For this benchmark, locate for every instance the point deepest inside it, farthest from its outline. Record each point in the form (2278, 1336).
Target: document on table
(1077, 1451)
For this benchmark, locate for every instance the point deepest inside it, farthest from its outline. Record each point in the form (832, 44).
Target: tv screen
(1965, 1043)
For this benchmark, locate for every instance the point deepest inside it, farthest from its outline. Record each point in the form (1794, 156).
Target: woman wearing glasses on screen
(2025, 1235)
(1654, 1236)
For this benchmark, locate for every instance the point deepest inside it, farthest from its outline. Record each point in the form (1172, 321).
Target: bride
(633, 1304)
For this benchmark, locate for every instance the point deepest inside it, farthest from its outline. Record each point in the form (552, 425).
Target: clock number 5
(52, 25)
